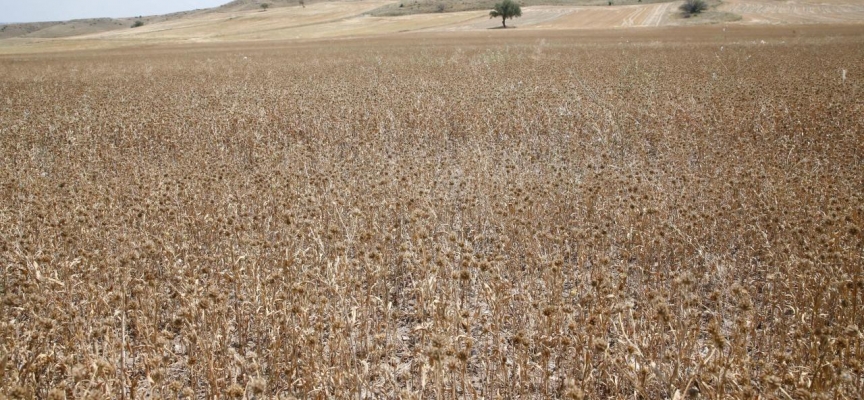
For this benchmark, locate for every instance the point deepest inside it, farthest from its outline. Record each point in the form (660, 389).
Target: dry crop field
(670, 213)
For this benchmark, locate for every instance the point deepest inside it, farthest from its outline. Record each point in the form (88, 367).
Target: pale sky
(62, 10)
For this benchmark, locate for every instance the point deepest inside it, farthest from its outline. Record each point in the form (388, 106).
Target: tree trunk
(504, 21)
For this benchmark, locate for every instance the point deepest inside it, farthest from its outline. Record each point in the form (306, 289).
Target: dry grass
(408, 7)
(556, 217)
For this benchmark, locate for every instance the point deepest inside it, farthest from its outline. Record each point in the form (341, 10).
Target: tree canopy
(506, 9)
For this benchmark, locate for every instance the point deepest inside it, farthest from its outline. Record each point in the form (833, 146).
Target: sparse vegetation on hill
(241, 5)
(62, 29)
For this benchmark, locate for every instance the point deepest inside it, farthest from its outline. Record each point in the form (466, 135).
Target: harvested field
(239, 25)
(611, 17)
(796, 12)
(568, 214)
(568, 17)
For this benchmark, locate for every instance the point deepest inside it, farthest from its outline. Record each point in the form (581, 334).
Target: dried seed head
(158, 375)
(79, 372)
(257, 386)
(693, 392)
(234, 391)
(57, 394)
(17, 392)
(600, 345)
(571, 391)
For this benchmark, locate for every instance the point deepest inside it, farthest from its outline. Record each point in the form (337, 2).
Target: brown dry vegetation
(556, 217)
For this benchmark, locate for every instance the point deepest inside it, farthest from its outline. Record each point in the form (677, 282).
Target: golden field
(630, 214)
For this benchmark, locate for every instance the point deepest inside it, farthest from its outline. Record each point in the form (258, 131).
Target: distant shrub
(693, 7)
(138, 23)
(265, 6)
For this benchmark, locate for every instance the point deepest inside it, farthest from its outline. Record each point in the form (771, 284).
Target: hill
(79, 27)
(245, 20)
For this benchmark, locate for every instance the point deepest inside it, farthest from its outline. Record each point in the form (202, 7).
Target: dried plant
(459, 220)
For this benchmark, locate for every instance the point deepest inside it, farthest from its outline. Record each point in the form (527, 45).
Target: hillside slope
(79, 27)
(245, 20)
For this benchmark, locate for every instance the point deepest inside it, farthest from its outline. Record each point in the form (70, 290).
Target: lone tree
(506, 9)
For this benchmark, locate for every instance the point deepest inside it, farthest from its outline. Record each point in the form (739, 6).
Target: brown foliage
(532, 220)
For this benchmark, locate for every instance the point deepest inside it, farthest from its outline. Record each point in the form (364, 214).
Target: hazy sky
(61, 10)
